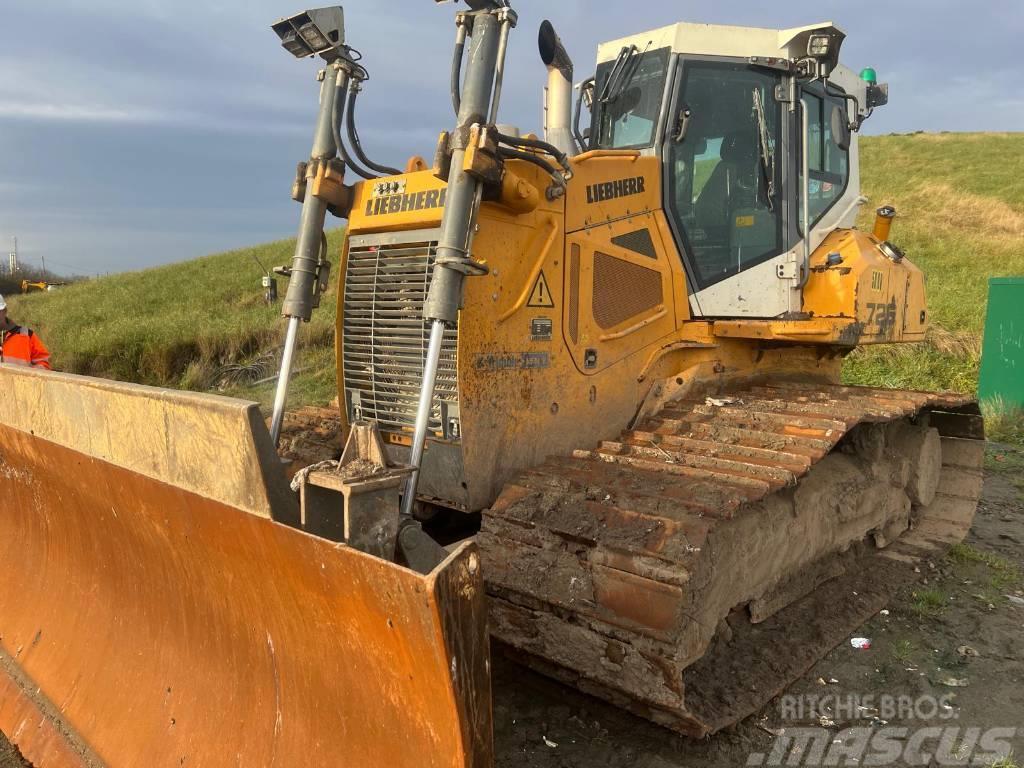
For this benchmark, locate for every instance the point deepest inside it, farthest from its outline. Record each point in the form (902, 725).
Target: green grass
(184, 324)
(961, 220)
(1004, 423)
(929, 603)
(902, 651)
(1006, 762)
(1002, 575)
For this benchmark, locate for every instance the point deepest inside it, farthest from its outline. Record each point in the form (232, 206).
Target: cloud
(70, 112)
(172, 127)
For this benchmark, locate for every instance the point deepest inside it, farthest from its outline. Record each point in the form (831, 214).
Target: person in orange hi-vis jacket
(19, 345)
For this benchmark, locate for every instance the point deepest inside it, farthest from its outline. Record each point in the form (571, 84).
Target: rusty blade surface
(146, 624)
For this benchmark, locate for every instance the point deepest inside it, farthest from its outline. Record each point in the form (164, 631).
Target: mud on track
(532, 713)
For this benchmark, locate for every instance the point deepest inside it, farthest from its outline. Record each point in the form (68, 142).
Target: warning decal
(541, 296)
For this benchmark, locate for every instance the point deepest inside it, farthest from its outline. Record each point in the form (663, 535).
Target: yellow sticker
(744, 221)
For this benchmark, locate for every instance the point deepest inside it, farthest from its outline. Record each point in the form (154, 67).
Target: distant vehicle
(28, 286)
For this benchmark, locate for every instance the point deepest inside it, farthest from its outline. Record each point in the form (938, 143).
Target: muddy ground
(948, 656)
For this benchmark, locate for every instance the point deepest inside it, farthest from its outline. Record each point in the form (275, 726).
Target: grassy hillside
(961, 203)
(200, 325)
(203, 325)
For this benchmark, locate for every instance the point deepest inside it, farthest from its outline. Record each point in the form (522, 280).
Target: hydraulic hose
(353, 135)
(543, 146)
(516, 154)
(336, 118)
(459, 55)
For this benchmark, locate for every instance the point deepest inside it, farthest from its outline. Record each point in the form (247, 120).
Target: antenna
(13, 257)
(269, 283)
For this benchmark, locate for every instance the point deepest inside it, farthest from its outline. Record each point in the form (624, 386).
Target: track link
(693, 568)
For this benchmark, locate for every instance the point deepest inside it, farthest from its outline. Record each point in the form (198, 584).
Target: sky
(147, 132)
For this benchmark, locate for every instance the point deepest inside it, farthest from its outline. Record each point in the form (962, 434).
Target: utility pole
(14, 257)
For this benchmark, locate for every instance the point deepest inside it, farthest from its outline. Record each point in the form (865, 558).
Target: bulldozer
(589, 384)
(27, 286)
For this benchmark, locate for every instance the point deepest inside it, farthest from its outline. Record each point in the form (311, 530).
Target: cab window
(628, 99)
(828, 162)
(724, 169)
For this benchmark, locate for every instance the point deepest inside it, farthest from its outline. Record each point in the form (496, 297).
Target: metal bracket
(443, 156)
(486, 6)
(357, 502)
(328, 179)
(354, 405)
(789, 269)
(323, 281)
(768, 62)
(465, 264)
(482, 161)
(451, 421)
(508, 15)
(299, 185)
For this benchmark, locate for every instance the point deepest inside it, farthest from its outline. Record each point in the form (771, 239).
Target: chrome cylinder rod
(281, 395)
(426, 407)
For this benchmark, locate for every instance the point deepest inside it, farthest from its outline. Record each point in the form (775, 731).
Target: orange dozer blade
(157, 611)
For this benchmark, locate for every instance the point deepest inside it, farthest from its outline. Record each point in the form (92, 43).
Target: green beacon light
(869, 76)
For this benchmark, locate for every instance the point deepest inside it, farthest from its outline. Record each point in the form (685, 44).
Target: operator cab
(730, 111)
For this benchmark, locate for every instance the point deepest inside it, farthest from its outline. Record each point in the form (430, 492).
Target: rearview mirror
(840, 128)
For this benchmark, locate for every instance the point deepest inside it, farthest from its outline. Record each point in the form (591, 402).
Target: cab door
(725, 172)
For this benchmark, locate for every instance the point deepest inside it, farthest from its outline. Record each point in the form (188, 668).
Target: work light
(818, 45)
(317, 31)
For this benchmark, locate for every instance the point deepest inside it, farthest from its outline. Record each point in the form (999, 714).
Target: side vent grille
(637, 242)
(384, 340)
(574, 294)
(623, 290)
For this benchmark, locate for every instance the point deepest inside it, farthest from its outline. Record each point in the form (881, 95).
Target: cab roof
(721, 40)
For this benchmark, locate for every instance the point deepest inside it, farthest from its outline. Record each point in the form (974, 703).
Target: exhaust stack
(558, 93)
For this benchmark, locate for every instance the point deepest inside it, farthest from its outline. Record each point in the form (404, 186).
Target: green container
(1002, 358)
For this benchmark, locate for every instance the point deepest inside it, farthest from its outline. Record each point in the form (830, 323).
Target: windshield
(627, 117)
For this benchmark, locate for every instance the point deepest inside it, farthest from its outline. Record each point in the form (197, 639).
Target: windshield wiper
(765, 150)
(627, 64)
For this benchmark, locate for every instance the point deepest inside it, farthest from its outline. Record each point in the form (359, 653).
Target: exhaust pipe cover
(558, 94)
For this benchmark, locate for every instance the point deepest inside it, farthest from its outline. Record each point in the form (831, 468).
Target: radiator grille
(384, 339)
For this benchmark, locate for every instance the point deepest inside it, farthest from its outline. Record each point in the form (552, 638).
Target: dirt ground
(948, 654)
